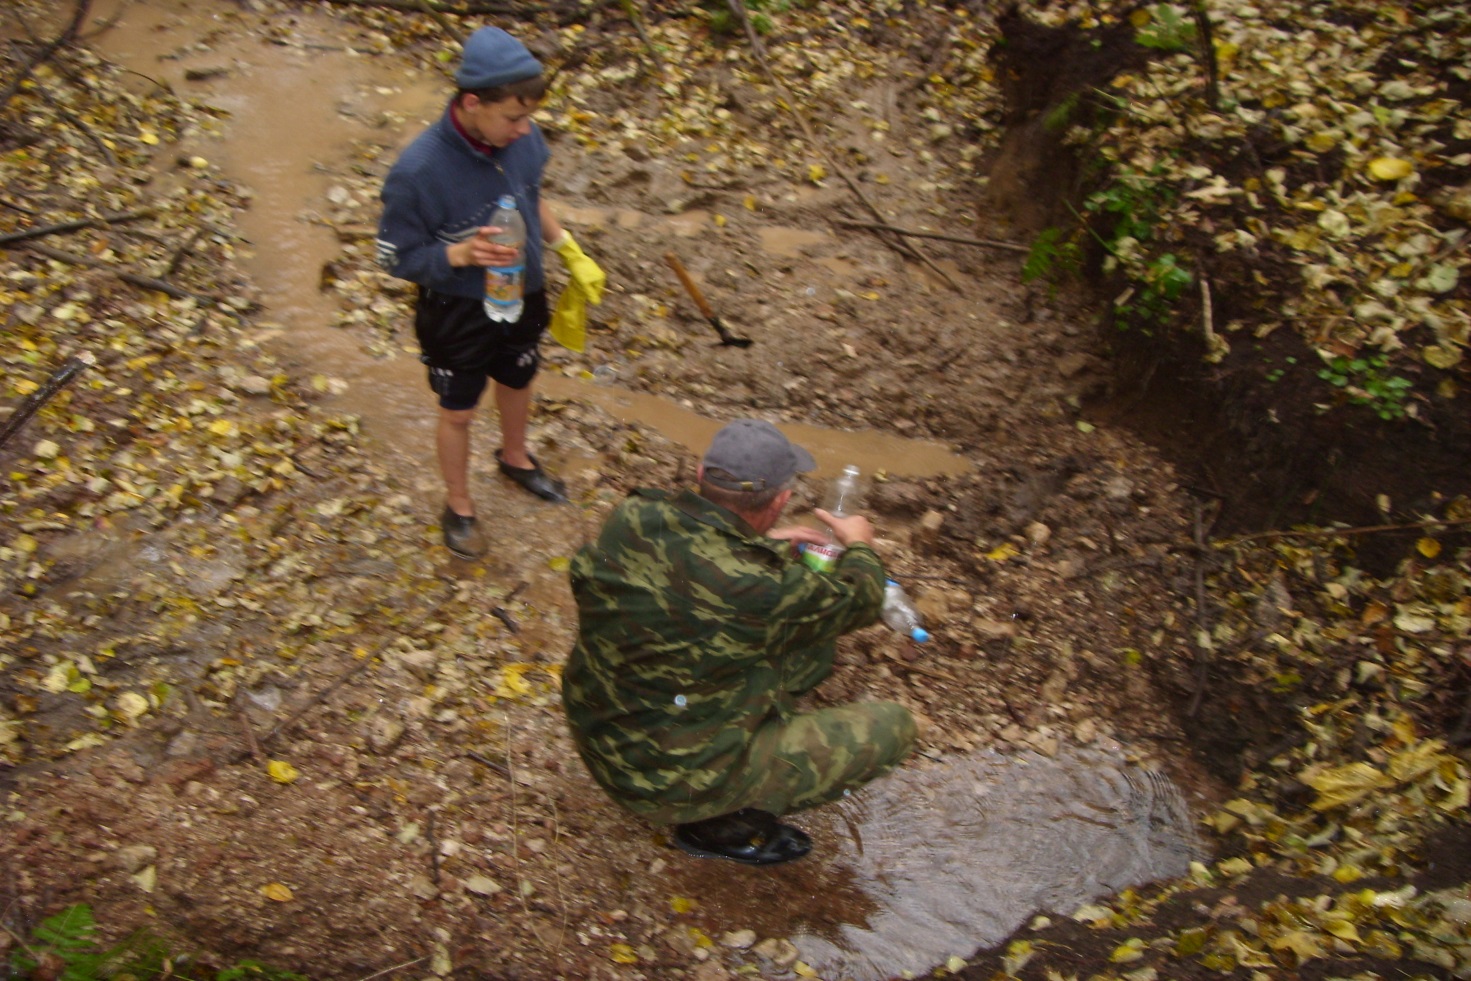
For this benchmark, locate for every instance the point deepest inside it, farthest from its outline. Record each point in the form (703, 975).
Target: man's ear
(779, 503)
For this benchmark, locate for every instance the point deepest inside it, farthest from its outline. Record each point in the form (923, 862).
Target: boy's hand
(480, 250)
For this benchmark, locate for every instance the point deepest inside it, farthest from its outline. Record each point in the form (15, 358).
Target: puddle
(943, 860)
(790, 241)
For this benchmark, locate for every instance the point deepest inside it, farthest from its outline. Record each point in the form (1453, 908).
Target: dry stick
(433, 849)
(142, 282)
(72, 226)
(489, 764)
(635, 15)
(250, 740)
(1338, 532)
(1202, 658)
(982, 242)
(79, 16)
(390, 970)
(342, 679)
(59, 379)
(432, 9)
(739, 10)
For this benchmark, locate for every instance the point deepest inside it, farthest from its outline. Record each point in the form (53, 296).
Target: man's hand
(799, 535)
(849, 530)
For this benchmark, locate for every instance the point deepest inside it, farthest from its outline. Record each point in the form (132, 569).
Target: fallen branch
(142, 282)
(59, 379)
(739, 10)
(982, 242)
(71, 226)
(491, 765)
(68, 34)
(1428, 525)
(635, 15)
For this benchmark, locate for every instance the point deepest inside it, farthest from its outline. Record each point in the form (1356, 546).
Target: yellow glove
(584, 272)
(569, 319)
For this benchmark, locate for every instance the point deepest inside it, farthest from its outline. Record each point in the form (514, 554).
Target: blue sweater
(441, 189)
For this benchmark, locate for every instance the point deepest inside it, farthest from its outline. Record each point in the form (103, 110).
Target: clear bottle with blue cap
(900, 615)
(505, 285)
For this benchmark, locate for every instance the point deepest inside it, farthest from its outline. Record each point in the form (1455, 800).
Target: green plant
(65, 947)
(1166, 29)
(722, 21)
(1365, 381)
(1051, 257)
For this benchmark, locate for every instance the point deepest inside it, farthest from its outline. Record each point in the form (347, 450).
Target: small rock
(1037, 533)
(1071, 365)
(254, 385)
(1085, 732)
(423, 664)
(1118, 487)
(482, 885)
(739, 939)
(135, 858)
(423, 887)
(780, 953)
(710, 971)
(987, 628)
(928, 531)
(384, 735)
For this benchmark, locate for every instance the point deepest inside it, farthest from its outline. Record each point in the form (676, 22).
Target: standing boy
(437, 200)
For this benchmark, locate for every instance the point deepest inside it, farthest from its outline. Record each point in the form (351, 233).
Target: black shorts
(462, 347)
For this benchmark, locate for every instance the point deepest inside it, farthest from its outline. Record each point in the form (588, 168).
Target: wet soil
(440, 822)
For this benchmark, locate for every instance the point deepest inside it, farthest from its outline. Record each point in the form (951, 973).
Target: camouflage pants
(805, 759)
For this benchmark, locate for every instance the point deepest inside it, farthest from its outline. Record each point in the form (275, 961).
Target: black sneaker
(748, 836)
(461, 536)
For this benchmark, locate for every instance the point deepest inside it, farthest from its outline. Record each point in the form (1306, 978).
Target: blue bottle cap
(920, 635)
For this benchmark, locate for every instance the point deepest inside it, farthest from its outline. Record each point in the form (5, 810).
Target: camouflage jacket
(692, 626)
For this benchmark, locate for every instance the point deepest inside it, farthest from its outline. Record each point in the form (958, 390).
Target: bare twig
(142, 282)
(59, 379)
(1202, 653)
(739, 10)
(72, 226)
(489, 764)
(1428, 525)
(250, 740)
(910, 233)
(396, 967)
(433, 849)
(1205, 37)
(68, 34)
(350, 673)
(633, 10)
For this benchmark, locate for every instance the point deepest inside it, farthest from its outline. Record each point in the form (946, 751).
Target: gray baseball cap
(751, 455)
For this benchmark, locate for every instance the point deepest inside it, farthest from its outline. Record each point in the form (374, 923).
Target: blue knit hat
(492, 57)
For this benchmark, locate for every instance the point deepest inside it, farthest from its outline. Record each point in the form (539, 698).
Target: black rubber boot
(748, 836)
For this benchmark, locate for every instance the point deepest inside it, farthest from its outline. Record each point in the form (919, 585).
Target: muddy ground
(433, 818)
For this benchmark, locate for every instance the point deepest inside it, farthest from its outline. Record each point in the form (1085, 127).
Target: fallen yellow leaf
(1390, 168)
(282, 772)
(622, 954)
(277, 891)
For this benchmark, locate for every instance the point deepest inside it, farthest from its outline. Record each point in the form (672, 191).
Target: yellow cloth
(585, 285)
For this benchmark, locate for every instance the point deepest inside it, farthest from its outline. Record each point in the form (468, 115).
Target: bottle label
(503, 285)
(822, 558)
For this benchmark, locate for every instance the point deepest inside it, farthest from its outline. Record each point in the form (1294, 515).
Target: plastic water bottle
(900, 614)
(504, 285)
(842, 500)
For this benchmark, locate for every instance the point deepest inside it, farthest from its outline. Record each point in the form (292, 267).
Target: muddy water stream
(938, 859)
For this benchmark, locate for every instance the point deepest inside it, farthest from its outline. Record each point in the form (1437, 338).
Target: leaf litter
(263, 550)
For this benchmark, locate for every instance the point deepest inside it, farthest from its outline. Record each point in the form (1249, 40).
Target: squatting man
(698, 628)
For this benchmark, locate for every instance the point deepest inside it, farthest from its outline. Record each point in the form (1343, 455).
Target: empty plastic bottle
(505, 285)
(900, 614)
(842, 500)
